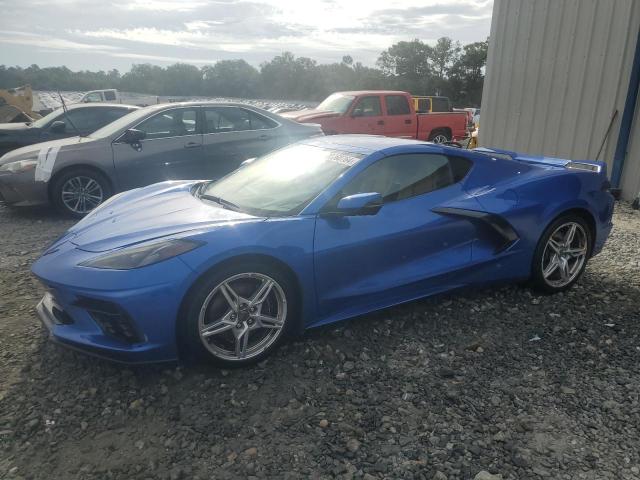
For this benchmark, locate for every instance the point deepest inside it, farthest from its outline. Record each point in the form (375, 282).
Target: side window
(170, 123)
(367, 107)
(424, 105)
(234, 119)
(93, 97)
(86, 119)
(109, 96)
(108, 115)
(440, 104)
(258, 122)
(397, 105)
(405, 176)
(459, 167)
(226, 119)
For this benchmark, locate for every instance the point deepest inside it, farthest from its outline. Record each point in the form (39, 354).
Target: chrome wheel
(81, 194)
(564, 254)
(440, 138)
(242, 316)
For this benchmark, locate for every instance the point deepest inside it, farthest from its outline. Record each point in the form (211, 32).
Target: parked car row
(78, 156)
(235, 252)
(156, 143)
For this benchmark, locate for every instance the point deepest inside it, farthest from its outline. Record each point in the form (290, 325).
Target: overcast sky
(105, 34)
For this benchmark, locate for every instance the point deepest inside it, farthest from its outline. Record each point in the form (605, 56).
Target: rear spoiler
(583, 165)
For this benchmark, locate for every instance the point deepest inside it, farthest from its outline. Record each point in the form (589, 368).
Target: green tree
(414, 66)
(467, 74)
(143, 78)
(231, 78)
(289, 77)
(443, 55)
(408, 64)
(180, 79)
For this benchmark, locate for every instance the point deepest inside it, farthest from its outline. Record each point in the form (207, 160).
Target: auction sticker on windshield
(347, 159)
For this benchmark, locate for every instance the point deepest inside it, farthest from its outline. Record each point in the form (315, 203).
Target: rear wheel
(239, 315)
(439, 136)
(561, 255)
(78, 191)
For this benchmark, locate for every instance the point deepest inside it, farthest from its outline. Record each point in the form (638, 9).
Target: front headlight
(142, 255)
(19, 166)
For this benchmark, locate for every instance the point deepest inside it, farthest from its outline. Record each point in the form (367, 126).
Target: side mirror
(360, 204)
(132, 136)
(357, 113)
(58, 127)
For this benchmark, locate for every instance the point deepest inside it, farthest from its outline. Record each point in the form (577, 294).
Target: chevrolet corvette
(316, 232)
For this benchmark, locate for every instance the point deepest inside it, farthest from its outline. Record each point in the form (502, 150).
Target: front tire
(79, 190)
(239, 315)
(561, 254)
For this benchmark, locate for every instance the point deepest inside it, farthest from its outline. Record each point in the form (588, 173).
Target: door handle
(192, 144)
(380, 122)
(408, 121)
(264, 137)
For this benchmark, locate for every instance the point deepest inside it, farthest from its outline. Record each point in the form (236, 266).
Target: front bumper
(148, 300)
(21, 189)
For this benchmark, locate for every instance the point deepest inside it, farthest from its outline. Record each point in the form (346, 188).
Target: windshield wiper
(221, 201)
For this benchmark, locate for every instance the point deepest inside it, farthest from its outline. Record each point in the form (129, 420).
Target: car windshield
(42, 122)
(336, 103)
(281, 183)
(117, 125)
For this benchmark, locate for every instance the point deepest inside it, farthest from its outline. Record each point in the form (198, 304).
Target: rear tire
(561, 254)
(226, 322)
(440, 136)
(77, 191)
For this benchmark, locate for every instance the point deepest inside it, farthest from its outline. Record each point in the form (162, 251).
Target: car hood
(32, 151)
(309, 114)
(13, 127)
(143, 214)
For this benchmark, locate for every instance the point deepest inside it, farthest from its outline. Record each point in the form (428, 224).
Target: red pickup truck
(382, 112)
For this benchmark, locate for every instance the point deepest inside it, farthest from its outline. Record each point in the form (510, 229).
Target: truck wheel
(79, 190)
(439, 136)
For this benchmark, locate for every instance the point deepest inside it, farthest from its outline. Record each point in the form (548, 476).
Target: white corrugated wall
(556, 72)
(631, 175)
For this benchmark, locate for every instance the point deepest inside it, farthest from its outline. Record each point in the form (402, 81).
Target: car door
(234, 134)
(366, 116)
(402, 252)
(399, 121)
(171, 149)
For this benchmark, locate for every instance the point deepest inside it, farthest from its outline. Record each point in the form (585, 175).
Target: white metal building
(557, 72)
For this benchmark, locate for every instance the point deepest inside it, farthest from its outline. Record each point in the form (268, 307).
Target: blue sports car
(316, 232)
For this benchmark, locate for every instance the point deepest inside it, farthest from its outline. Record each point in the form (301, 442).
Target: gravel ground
(494, 384)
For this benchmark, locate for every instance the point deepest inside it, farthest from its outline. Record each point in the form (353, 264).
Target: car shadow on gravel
(41, 212)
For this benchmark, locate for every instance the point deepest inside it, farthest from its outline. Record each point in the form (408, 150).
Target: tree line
(446, 68)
